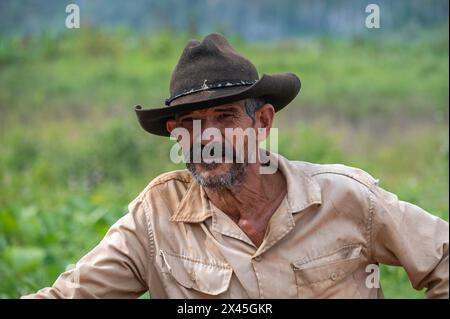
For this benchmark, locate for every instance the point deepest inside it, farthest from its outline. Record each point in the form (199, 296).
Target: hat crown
(208, 64)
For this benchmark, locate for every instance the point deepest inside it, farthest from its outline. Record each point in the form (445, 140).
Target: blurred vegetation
(253, 19)
(73, 155)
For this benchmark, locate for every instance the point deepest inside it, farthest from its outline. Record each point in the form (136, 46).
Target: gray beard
(230, 179)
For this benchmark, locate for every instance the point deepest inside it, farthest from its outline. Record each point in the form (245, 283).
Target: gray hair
(252, 105)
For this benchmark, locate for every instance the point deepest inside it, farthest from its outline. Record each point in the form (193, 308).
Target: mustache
(212, 152)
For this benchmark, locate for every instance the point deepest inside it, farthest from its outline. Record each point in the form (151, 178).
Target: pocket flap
(209, 277)
(334, 266)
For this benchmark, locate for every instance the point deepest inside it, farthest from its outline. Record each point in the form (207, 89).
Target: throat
(254, 223)
(255, 231)
(252, 207)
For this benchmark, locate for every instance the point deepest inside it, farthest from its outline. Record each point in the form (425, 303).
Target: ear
(171, 125)
(264, 119)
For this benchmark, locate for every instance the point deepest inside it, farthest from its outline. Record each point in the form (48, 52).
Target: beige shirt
(334, 222)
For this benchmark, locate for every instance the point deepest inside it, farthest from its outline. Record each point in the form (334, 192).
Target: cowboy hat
(211, 73)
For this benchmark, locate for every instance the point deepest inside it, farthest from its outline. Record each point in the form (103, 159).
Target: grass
(73, 155)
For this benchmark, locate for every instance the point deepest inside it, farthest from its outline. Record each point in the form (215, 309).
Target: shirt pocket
(207, 277)
(329, 275)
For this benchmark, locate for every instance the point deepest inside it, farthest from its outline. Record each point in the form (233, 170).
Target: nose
(211, 131)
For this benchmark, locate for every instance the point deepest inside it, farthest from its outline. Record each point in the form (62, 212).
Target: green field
(73, 156)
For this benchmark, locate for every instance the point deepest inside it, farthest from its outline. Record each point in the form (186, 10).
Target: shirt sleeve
(403, 234)
(116, 268)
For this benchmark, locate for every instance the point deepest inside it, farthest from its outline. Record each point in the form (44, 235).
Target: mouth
(213, 156)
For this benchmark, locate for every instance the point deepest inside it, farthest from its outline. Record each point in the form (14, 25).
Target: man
(227, 229)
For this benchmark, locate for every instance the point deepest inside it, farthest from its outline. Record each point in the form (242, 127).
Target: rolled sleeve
(116, 268)
(404, 234)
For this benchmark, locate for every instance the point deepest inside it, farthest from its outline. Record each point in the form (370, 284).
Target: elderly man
(227, 229)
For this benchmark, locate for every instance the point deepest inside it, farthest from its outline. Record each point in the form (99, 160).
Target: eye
(224, 116)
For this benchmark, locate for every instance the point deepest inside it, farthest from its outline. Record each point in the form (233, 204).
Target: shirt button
(257, 258)
(334, 276)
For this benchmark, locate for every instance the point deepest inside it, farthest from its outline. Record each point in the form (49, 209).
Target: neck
(248, 199)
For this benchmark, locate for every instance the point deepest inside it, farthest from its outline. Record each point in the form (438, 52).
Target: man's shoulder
(177, 181)
(335, 173)
(178, 176)
(347, 188)
(339, 184)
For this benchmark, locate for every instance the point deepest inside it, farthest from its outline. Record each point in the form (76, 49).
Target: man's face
(216, 172)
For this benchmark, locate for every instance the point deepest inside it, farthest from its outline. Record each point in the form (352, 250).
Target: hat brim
(277, 89)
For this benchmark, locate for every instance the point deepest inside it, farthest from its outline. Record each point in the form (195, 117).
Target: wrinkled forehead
(235, 107)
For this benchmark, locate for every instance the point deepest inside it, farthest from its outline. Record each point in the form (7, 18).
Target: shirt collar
(302, 192)
(194, 207)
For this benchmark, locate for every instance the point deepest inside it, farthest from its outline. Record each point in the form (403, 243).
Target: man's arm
(116, 268)
(404, 234)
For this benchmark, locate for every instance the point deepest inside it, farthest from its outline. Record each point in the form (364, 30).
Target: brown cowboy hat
(211, 73)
